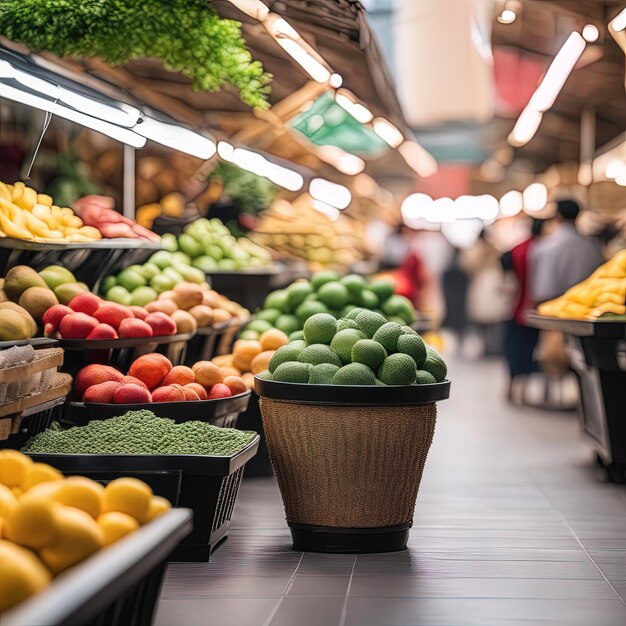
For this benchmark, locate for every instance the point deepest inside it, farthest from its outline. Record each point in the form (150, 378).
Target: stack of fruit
(361, 349)
(152, 378)
(26, 295)
(251, 356)
(170, 205)
(50, 523)
(300, 231)
(288, 309)
(87, 316)
(211, 247)
(25, 214)
(99, 212)
(603, 294)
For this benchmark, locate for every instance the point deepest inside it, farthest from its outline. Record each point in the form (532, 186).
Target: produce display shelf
(206, 484)
(354, 395)
(607, 327)
(597, 353)
(36, 342)
(117, 586)
(126, 243)
(20, 372)
(212, 340)
(62, 387)
(117, 344)
(219, 412)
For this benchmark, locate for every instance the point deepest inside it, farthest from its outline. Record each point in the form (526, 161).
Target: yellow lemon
(13, 467)
(17, 491)
(81, 493)
(78, 537)
(31, 523)
(116, 525)
(38, 473)
(22, 574)
(45, 491)
(158, 506)
(128, 495)
(7, 501)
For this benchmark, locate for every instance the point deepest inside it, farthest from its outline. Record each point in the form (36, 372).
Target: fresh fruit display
(252, 356)
(603, 294)
(298, 230)
(26, 295)
(362, 348)
(170, 205)
(25, 214)
(50, 523)
(211, 247)
(152, 378)
(288, 309)
(87, 316)
(140, 432)
(99, 212)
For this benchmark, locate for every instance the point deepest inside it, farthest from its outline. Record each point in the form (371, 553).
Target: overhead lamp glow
(285, 178)
(613, 168)
(111, 130)
(462, 233)
(252, 8)
(507, 16)
(336, 80)
(415, 206)
(525, 127)
(418, 159)
(535, 197)
(345, 162)
(359, 112)
(619, 23)
(387, 132)
(176, 137)
(557, 73)
(620, 179)
(336, 195)
(226, 151)
(487, 208)
(511, 203)
(590, 33)
(329, 211)
(441, 211)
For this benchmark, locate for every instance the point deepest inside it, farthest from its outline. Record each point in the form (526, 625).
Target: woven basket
(350, 467)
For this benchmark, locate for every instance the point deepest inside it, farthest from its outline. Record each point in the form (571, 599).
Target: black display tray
(36, 342)
(357, 395)
(116, 344)
(119, 585)
(605, 327)
(206, 484)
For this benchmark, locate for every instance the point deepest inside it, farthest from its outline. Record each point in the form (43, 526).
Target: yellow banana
(13, 230)
(42, 198)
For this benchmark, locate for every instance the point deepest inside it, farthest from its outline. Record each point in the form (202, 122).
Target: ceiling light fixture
(590, 33)
(329, 211)
(535, 197)
(387, 132)
(418, 159)
(511, 203)
(252, 8)
(507, 16)
(359, 112)
(176, 137)
(336, 195)
(619, 23)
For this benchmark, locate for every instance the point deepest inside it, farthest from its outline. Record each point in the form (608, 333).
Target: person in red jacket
(520, 340)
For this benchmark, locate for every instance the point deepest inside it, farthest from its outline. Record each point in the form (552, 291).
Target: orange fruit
(261, 362)
(273, 339)
(207, 373)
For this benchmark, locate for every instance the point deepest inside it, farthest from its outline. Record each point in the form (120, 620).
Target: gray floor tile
(298, 611)
(215, 612)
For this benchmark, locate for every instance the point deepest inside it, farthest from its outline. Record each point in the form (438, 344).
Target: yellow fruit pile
(171, 205)
(49, 523)
(603, 293)
(25, 214)
(250, 356)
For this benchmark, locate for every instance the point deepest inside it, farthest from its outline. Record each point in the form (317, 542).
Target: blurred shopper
(520, 340)
(563, 258)
(455, 284)
(489, 296)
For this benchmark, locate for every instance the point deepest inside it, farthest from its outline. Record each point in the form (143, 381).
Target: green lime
(400, 306)
(321, 278)
(290, 352)
(343, 342)
(398, 369)
(383, 288)
(292, 372)
(334, 295)
(414, 346)
(269, 315)
(322, 374)
(435, 364)
(368, 352)
(296, 293)
(287, 323)
(309, 308)
(260, 326)
(369, 322)
(354, 374)
(318, 353)
(387, 335)
(276, 300)
(425, 378)
(320, 328)
(354, 284)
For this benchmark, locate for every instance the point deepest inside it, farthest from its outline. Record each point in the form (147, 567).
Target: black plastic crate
(206, 484)
(32, 421)
(118, 586)
(223, 412)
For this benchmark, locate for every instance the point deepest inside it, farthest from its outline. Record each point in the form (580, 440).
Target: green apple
(55, 275)
(130, 279)
(205, 263)
(143, 295)
(161, 259)
(161, 283)
(169, 242)
(119, 294)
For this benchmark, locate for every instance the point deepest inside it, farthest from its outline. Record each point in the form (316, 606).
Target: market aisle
(511, 527)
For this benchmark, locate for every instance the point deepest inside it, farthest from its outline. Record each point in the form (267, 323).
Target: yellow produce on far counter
(602, 294)
(49, 523)
(25, 214)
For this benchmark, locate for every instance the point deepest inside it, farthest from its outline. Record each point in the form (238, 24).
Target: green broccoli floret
(139, 432)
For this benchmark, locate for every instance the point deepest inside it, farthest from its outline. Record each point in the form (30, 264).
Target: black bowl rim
(355, 395)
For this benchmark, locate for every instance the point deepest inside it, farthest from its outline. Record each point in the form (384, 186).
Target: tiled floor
(512, 527)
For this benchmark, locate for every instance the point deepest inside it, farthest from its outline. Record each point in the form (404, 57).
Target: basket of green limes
(349, 415)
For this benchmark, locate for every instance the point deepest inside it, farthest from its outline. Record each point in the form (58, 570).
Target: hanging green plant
(187, 35)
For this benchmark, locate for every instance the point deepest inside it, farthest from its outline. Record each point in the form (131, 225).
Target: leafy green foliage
(187, 35)
(251, 193)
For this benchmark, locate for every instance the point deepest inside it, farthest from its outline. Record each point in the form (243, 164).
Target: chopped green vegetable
(139, 432)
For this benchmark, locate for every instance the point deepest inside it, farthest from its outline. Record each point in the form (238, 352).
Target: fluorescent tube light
(359, 112)
(525, 127)
(336, 195)
(590, 33)
(511, 203)
(329, 211)
(308, 63)
(336, 80)
(387, 132)
(535, 197)
(507, 16)
(557, 73)
(619, 23)
(345, 162)
(252, 8)
(415, 207)
(226, 151)
(115, 132)
(259, 165)
(176, 137)
(418, 159)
